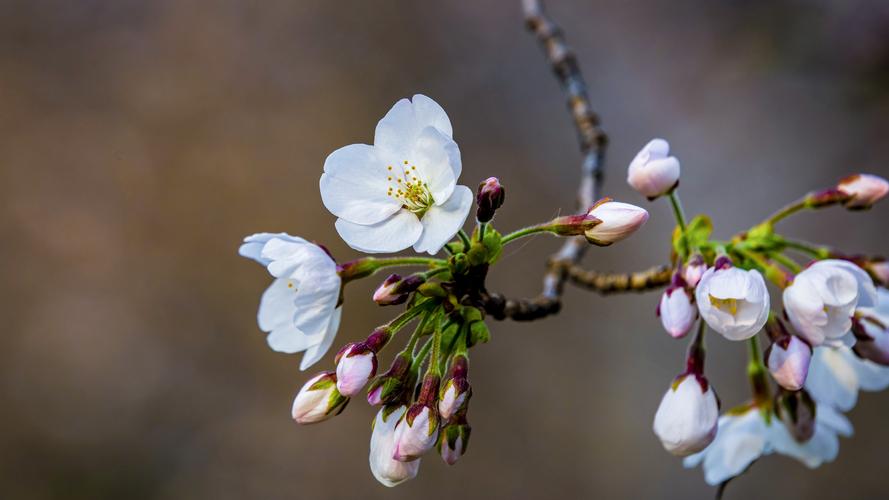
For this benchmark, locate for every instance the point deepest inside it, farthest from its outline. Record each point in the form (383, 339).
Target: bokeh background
(141, 140)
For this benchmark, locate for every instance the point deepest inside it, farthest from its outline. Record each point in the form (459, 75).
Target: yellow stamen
(725, 305)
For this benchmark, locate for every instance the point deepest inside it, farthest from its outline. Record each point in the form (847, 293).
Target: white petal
(398, 130)
(391, 235)
(440, 224)
(433, 153)
(355, 183)
(276, 311)
(832, 379)
(834, 420)
(317, 351)
(871, 376)
(252, 246)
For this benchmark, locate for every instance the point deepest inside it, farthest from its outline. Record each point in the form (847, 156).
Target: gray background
(140, 140)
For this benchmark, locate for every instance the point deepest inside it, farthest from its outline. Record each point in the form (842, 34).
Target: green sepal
(478, 333)
(493, 242)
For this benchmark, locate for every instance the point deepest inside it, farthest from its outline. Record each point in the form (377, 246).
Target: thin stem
(465, 238)
(406, 317)
(418, 332)
(435, 359)
(807, 248)
(679, 214)
(786, 262)
(421, 355)
(521, 233)
(364, 267)
(482, 227)
(756, 372)
(786, 211)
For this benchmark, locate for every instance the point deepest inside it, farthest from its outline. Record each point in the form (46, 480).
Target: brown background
(140, 140)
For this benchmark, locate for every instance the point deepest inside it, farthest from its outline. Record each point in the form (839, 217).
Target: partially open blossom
(356, 365)
(822, 299)
(396, 290)
(318, 400)
(454, 440)
(871, 329)
(402, 191)
(693, 270)
(686, 419)
(653, 172)
(677, 312)
(733, 301)
(619, 220)
(386, 469)
(788, 362)
(299, 310)
(489, 198)
(745, 435)
(455, 390)
(836, 374)
(864, 190)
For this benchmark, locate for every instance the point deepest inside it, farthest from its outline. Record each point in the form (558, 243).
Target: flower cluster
(830, 339)
(402, 192)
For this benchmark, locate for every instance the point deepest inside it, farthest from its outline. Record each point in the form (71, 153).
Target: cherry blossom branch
(608, 283)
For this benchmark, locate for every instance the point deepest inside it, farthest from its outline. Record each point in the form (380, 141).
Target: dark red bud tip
(377, 340)
(489, 197)
(722, 262)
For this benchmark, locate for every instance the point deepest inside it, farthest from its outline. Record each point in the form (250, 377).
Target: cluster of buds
(828, 303)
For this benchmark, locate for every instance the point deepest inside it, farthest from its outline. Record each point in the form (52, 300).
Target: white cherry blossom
(733, 301)
(402, 191)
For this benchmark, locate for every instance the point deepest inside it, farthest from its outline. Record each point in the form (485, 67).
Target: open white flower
(402, 191)
(745, 436)
(822, 299)
(299, 310)
(386, 469)
(836, 375)
(732, 301)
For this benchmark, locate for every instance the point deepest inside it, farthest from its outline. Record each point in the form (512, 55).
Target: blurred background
(141, 140)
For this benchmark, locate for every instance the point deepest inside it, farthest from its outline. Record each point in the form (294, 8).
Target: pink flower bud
(416, 433)
(454, 440)
(677, 312)
(490, 197)
(455, 390)
(618, 221)
(387, 470)
(872, 338)
(796, 409)
(880, 271)
(863, 189)
(686, 420)
(318, 400)
(788, 361)
(356, 365)
(653, 172)
(396, 290)
(693, 270)
(375, 396)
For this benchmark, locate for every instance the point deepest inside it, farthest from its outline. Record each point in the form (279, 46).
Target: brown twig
(607, 283)
(592, 146)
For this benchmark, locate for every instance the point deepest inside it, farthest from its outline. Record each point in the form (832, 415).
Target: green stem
(786, 211)
(771, 272)
(435, 358)
(756, 372)
(786, 262)
(482, 227)
(679, 214)
(465, 238)
(406, 317)
(364, 267)
(807, 248)
(421, 356)
(521, 233)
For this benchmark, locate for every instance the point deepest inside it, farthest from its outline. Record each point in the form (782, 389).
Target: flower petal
(276, 310)
(253, 244)
(434, 155)
(355, 183)
(398, 130)
(314, 353)
(391, 235)
(832, 379)
(440, 224)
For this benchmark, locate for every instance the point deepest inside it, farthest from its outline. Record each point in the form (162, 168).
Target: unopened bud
(418, 431)
(396, 290)
(872, 337)
(879, 270)
(686, 420)
(318, 400)
(619, 220)
(693, 270)
(454, 440)
(796, 409)
(387, 470)
(489, 198)
(653, 172)
(393, 386)
(455, 391)
(677, 312)
(788, 360)
(863, 190)
(357, 362)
